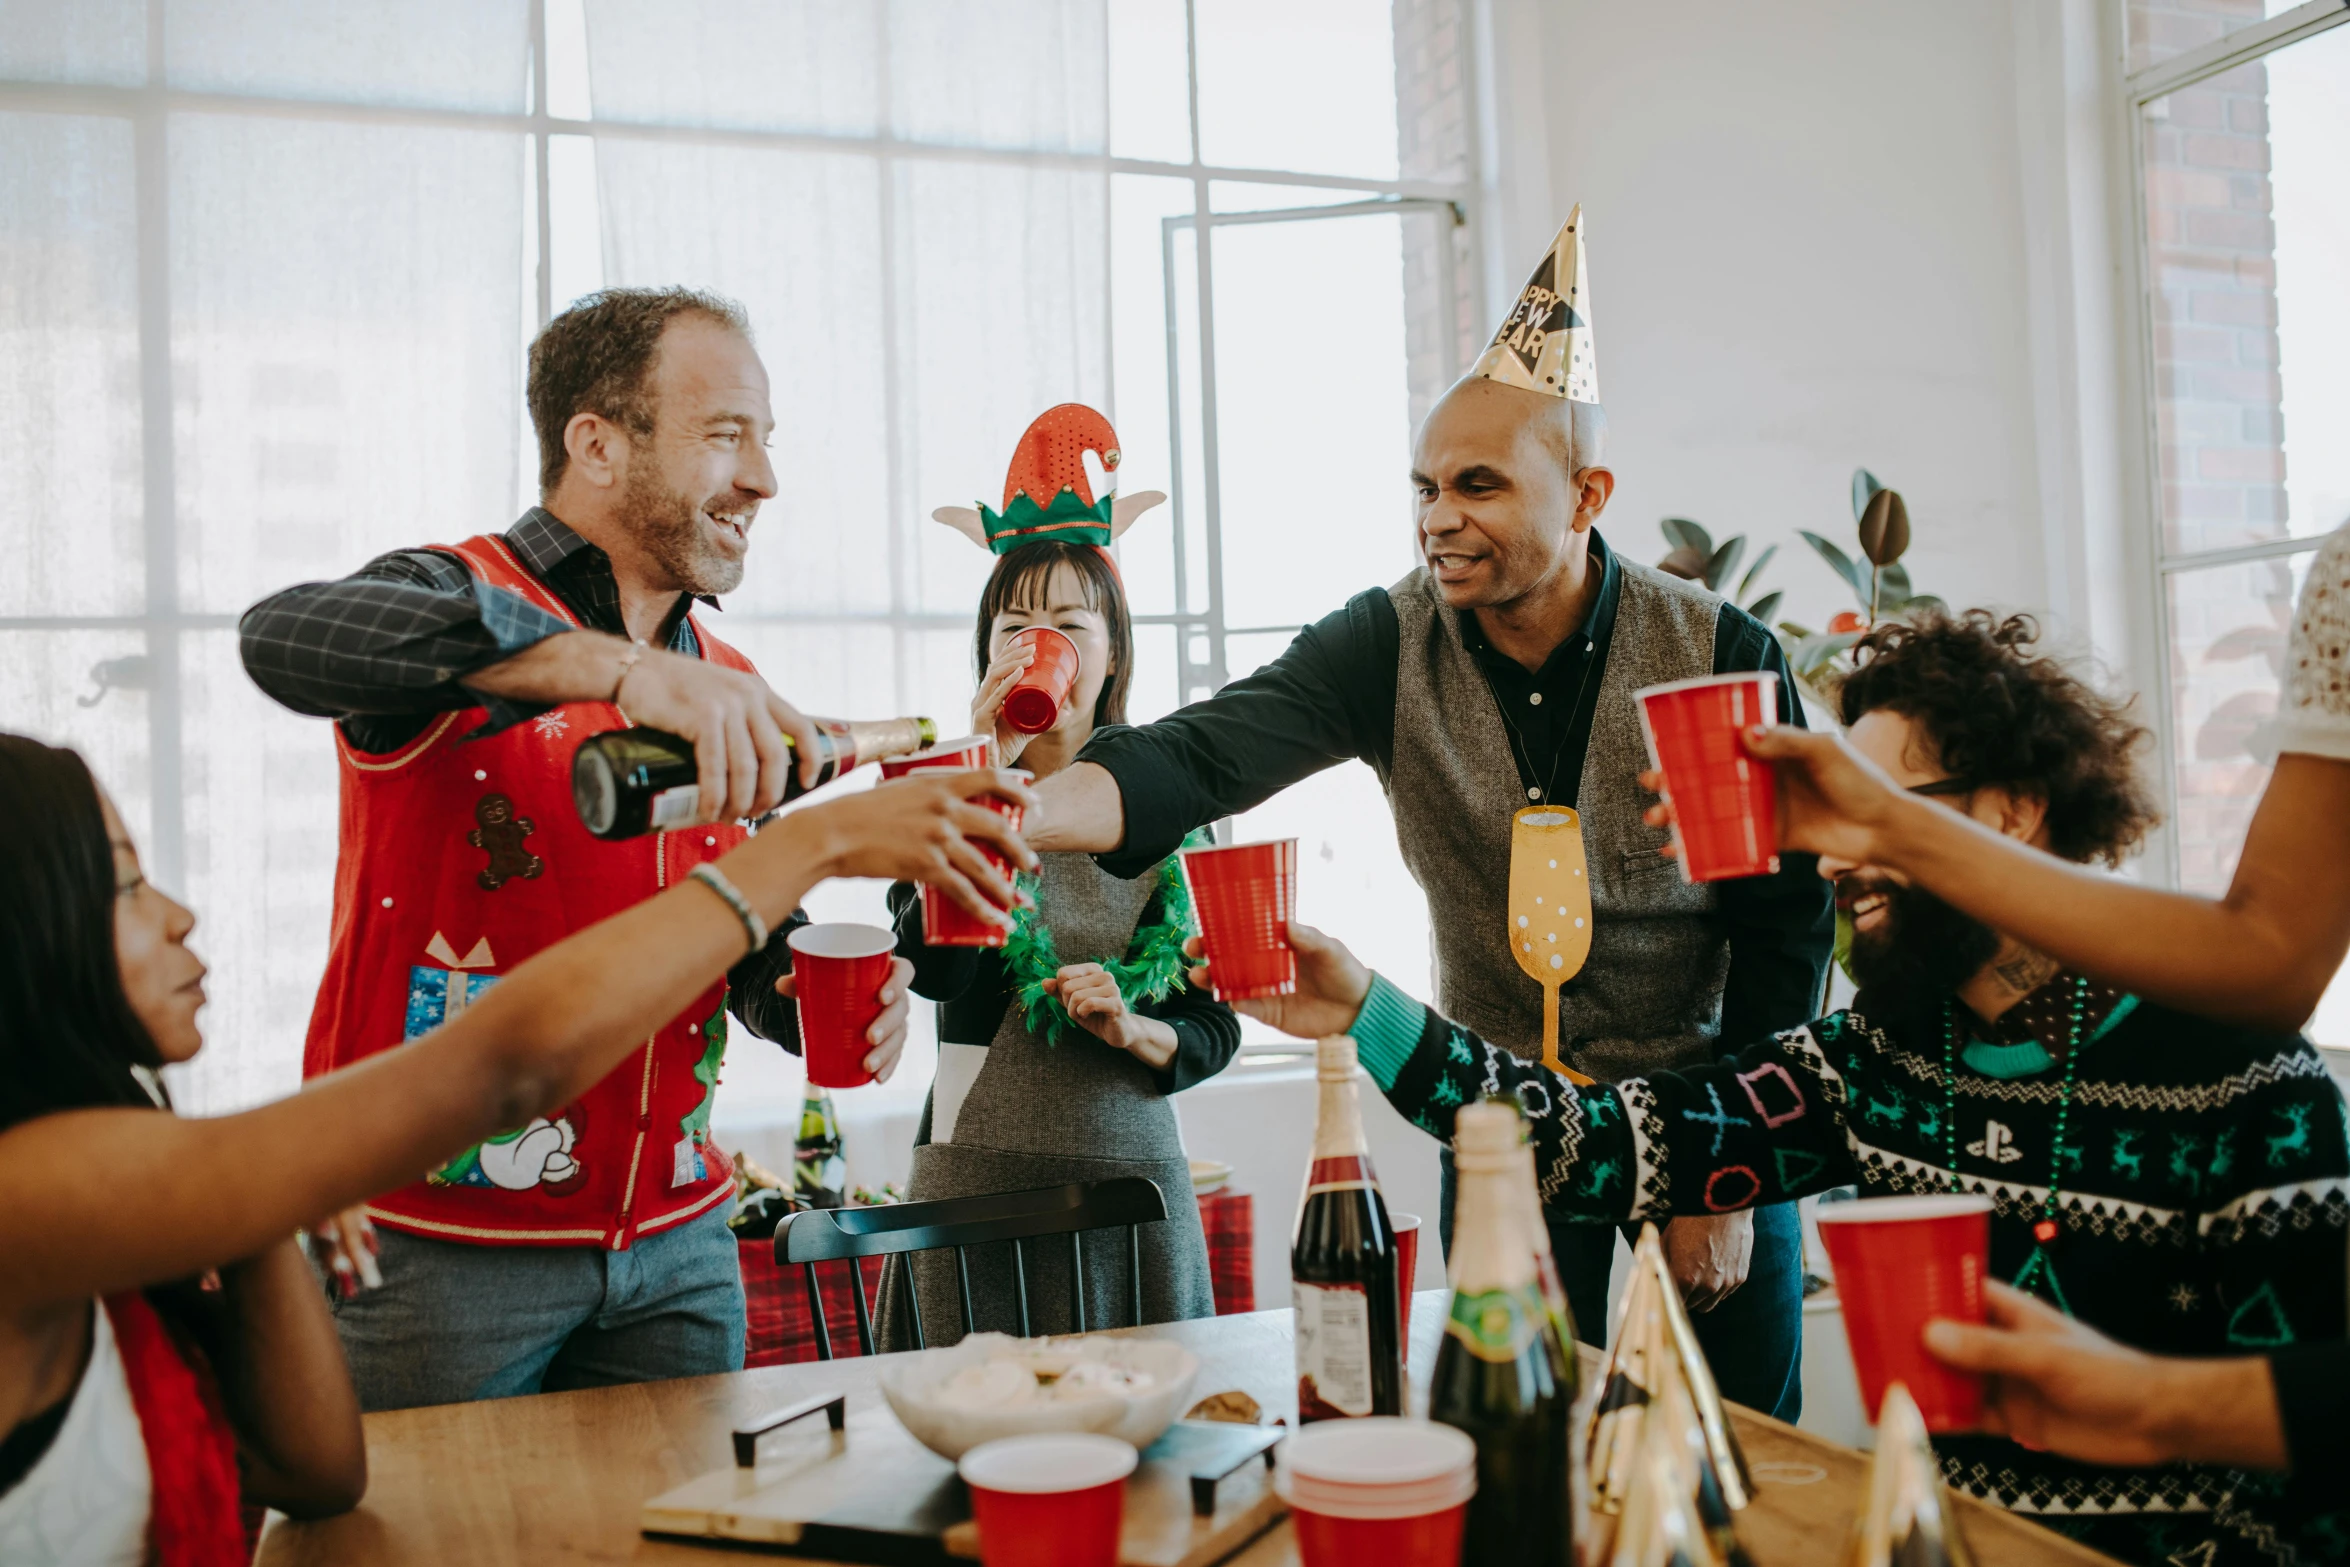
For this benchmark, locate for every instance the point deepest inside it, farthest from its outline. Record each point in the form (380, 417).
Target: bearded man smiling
(589, 1246)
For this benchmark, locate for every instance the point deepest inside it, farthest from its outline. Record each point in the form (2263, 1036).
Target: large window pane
(1002, 280)
(1313, 404)
(437, 54)
(795, 238)
(1010, 73)
(1150, 81)
(98, 41)
(344, 368)
(71, 509)
(2228, 626)
(260, 786)
(1138, 404)
(2248, 237)
(87, 690)
(1297, 84)
(791, 65)
(2162, 29)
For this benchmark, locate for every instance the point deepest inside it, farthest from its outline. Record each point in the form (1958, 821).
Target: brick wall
(2211, 252)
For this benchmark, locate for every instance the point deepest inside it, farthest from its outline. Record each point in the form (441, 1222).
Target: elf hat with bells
(1046, 492)
(1544, 344)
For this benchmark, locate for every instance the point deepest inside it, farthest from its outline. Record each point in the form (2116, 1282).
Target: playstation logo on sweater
(1997, 1143)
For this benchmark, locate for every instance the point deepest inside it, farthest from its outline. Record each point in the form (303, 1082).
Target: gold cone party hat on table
(1907, 1519)
(1654, 1363)
(1664, 1522)
(1544, 344)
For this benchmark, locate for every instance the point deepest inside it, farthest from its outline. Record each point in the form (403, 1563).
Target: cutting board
(872, 1493)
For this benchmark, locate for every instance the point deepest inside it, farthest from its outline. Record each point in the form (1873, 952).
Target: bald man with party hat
(1492, 692)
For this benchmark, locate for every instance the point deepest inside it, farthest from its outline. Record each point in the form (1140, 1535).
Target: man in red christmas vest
(589, 1246)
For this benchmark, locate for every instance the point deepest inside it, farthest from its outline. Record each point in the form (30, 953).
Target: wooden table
(560, 1477)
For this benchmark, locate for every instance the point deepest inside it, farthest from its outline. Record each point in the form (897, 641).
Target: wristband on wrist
(628, 661)
(713, 878)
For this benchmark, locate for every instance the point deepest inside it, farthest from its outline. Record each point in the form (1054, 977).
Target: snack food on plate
(1020, 1373)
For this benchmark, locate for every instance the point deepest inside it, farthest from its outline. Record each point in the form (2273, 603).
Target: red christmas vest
(461, 858)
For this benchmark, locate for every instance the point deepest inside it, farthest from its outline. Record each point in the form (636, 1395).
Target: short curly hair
(2000, 714)
(597, 357)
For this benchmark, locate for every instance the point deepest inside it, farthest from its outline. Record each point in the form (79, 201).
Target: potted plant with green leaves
(1695, 558)
(1819, 659)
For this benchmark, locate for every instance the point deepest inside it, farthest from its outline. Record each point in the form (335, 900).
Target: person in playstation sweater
(2179, 1184)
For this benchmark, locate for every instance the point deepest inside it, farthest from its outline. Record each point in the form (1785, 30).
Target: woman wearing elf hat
(1057, 1050)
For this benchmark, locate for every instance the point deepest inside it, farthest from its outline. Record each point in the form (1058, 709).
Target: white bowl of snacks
(993, 1385)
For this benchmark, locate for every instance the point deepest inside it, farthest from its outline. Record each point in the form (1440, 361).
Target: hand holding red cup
(946, 923)
(1901, 1262)
(1724, 802)
(1245, 896)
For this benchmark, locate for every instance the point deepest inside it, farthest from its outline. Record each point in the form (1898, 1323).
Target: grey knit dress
(1043, 1114)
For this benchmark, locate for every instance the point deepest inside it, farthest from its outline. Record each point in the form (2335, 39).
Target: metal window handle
(746, 1438)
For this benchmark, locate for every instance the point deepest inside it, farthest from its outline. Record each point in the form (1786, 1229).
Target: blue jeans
(453, 1323)
(1753, 1340)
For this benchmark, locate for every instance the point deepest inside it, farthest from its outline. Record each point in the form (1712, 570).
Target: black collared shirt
(386, 650)
(1330, 697)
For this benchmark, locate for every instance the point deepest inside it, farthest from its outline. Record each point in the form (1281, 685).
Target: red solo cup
(946, 923)
(1725, 803)
(839, 971)
(1900, 1262)
(1380, 1489)
(1055, 1500)
(961, 755)
(1407, 1262)
(1033, 705)
(1246, 896)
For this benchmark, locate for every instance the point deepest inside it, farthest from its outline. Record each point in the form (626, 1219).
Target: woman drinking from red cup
(1058, 1047)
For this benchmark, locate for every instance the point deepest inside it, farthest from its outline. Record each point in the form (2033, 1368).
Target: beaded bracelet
(713, 878)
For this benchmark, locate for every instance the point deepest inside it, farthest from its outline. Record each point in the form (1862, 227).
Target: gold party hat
(1663, 1523)
(1654, 1345)
(1908, 1517)
(1544, 344)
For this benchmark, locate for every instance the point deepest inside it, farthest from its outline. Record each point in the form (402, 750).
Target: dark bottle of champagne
(1498, 1371)
(820, 1172)
(626, 782)
(1342, 1263)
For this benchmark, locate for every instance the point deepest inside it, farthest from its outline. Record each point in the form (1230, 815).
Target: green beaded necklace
(2040, 1268)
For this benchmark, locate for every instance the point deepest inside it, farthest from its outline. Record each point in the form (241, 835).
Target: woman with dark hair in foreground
(132, 1398)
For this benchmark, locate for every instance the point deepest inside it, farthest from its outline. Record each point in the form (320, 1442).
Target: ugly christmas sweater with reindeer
(2201, 1198)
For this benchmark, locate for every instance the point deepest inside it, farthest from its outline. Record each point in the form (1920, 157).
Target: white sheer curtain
(915, 310)
(241, 345)
(315, 268)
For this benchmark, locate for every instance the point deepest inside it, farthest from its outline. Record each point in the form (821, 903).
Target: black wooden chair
(828, 1234)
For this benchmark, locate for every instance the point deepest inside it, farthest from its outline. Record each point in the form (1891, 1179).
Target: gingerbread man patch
(500, 836)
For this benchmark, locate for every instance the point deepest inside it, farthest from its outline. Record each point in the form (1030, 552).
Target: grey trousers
(454, 1323)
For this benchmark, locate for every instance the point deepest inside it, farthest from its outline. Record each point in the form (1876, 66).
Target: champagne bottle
(1498, 1370)
(1342, 1262)
(820, 1173)
(626, 782)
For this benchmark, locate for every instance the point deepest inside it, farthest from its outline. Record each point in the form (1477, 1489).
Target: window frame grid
(150, 106)
(2243, 46)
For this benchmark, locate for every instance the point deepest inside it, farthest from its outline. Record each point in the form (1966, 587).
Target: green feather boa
(1152, 968)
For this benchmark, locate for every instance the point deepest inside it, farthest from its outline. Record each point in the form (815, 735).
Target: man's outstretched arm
(1137, 790)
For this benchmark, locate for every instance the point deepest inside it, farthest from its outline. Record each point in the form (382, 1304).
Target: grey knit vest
(1650, 996)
